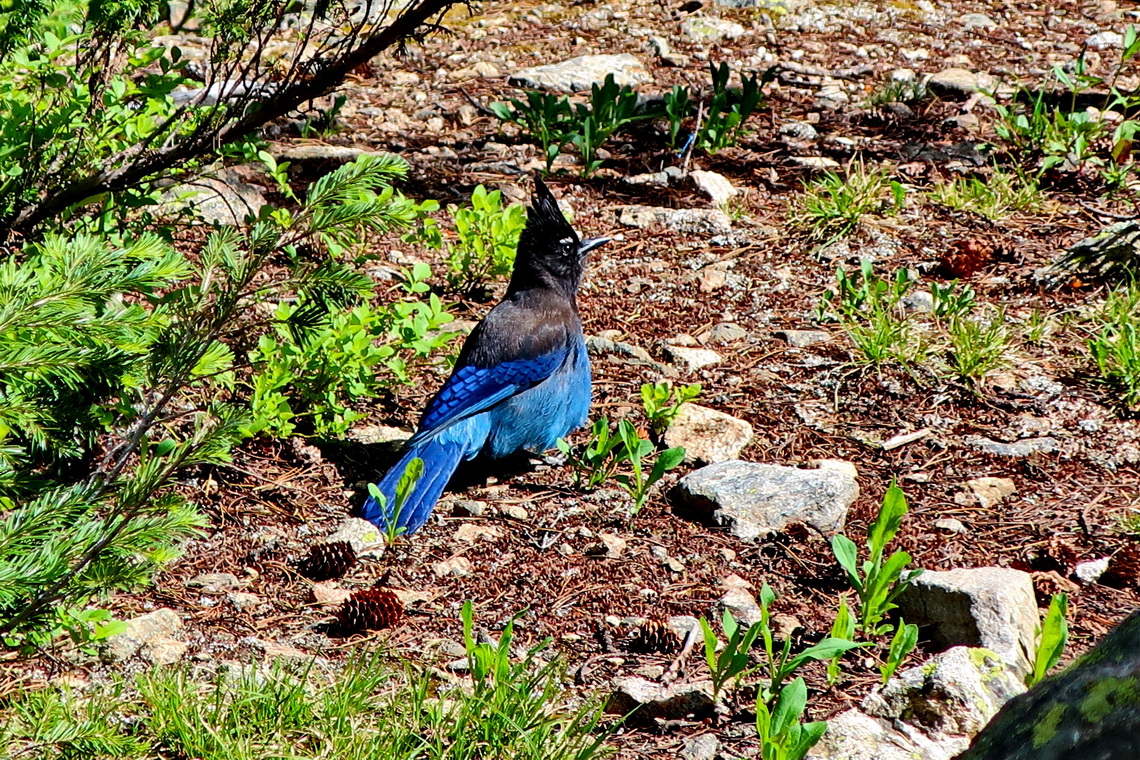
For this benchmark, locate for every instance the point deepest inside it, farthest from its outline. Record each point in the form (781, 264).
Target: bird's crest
(544, 219)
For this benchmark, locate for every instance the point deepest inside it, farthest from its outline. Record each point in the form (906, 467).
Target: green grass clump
(834, 205)
(1115, 344)
(996, 198)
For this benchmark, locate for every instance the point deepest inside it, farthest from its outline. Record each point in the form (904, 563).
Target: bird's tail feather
(440, 459)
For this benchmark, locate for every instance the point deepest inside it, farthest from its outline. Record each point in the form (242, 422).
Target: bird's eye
(566, 241)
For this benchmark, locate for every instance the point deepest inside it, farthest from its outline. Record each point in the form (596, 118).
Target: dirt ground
(804, 403)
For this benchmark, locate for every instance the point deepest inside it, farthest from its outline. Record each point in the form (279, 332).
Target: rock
(919, 301)
(608, 545)
(854, 735)
(991, 607)
(842, 466)
(1088, 711)
(1022, 448)
(394, 437)
(704, 29)
(223, 199)
(163, 650)
(712, 279)
(977, 21)
(991, 491)
(691, 700)
(785, 626)
(682, 625)
(598, 346)
(685, 220)
(954, 83)
(243, 600)
(815, 163)
(163, 623)
(318, 154)
(703, 747)
(214, 583)
(950, 525)
(457, 567)
(1105, 40)
(713, 186)
(691, 359)
(650, 179)
(514, 512)
(775, 6)
(229, 89)
(799, 130)
(469, 508)
(329, 593)
(964, 121)
(476, 532)
(1110, 255)
(708, 435)
(365, 537)
(578, 74)
(1090, 571)
(273, 650)
(724, 332)
(755, 500)
(741, 605)
(803, 338)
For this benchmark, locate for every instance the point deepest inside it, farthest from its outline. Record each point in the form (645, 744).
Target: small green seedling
(1053, 636)
(782, 735)
(903, 643)
(404, 487)
(662, 402)
(635, 449)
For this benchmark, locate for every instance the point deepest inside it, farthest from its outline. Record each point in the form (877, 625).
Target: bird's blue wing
(472, 390)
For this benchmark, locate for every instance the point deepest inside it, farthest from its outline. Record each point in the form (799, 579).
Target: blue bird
(522, 379)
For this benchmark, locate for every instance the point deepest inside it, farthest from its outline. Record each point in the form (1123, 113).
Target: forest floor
(650, 286)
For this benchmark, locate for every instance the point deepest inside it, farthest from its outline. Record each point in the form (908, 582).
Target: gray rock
(1090, 571)
(650, 179)
(1023, 448)
(991, 607)
(163, 650)
(1105, 40)
(317, 154)
(223, 199)
(365, 537)
(713, 186)
(855, 735)
(598, 346)
(379, 434)
(950, 525)
(1111, 255)
(457, 567)
(954, 83)
(214, 583)
(674, 702)
(468, 508)
(815, 163)
(708, 435)
(703, 747)
(686, 220)
(691, 359)
(705, 29)
(802, 338)
(799, 130)
(965, 121)
(608, 545)
(776, 6)
(243, 600)
(921, 301)
(977, 21)
(577, 74)
(161, 624)
(1088, 711)
(755, 500)
(743, 607)
(724, 332)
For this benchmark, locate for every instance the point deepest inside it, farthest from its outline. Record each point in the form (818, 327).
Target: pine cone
(966, 258)
(370, 610)
(654, 637)
(327, 561)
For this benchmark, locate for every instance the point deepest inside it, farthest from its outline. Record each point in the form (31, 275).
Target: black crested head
(550, 253)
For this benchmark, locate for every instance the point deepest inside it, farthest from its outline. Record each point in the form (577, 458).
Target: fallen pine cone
(966, 258)
(327, 561)
(370, 610)
(654, 637)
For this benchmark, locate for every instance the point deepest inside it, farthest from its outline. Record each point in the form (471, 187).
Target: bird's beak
(590, 244)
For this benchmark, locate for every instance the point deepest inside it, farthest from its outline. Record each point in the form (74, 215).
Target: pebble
(950, 525)
(454, 567)
(1090, 571)
(691, 359)
(475, 532)
(214, 583)
(802, 338)
(991, 491)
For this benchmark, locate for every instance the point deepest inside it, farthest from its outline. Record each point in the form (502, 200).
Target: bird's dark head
(550, 252)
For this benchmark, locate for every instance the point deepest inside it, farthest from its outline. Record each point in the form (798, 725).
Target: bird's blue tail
(440, 458)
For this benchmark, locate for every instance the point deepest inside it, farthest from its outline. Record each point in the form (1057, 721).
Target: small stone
(467, 114)
(647, 700)
(650, 179)
(682, 625)
(713, 186)
(1105, 40)
(214, 583)
(842, 466)
(476, 532)
(365, 537)
(991, 491)
(977, 21)
(724, 332)
(954, 83)
(379, 434)
(224, 199)
(514, 512)
(703, 747)
(712, 279)
(742, 606)
(1090, 571)
(950, 525)
(919, 301)
(329, 594)
(785, 626)
(163, 623)
(162, 650)
(991, 607)
(674, 565)
(803, 338)
(243, 600)
(455, 567)
(469, 508)
(755, 500)
(608, 545)
(486, 69)
(565, 549)
(703, 29)
(799, 130)
(273, 650)
(708, 435)
(578, 74)
(1018, 449)
(692, 359)
(967, 122)
(815, 163)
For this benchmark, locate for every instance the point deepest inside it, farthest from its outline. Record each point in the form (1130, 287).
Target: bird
(520, 382)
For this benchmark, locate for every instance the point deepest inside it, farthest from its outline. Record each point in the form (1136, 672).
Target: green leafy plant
(1051, 640)
(549, 119)
(1115, 344)
(728, 109)
(833, 205)
(662, 402)
(877, 581)
(978, 345)
(404, 487)
(871, 312)
(782, 734)
(597, 460)
(903, 643)
(731, 663)
(486, 235)
(611, 109)
(953, 300)
(635, 449)
(842, 628)
(996, 197)
(678, 104)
